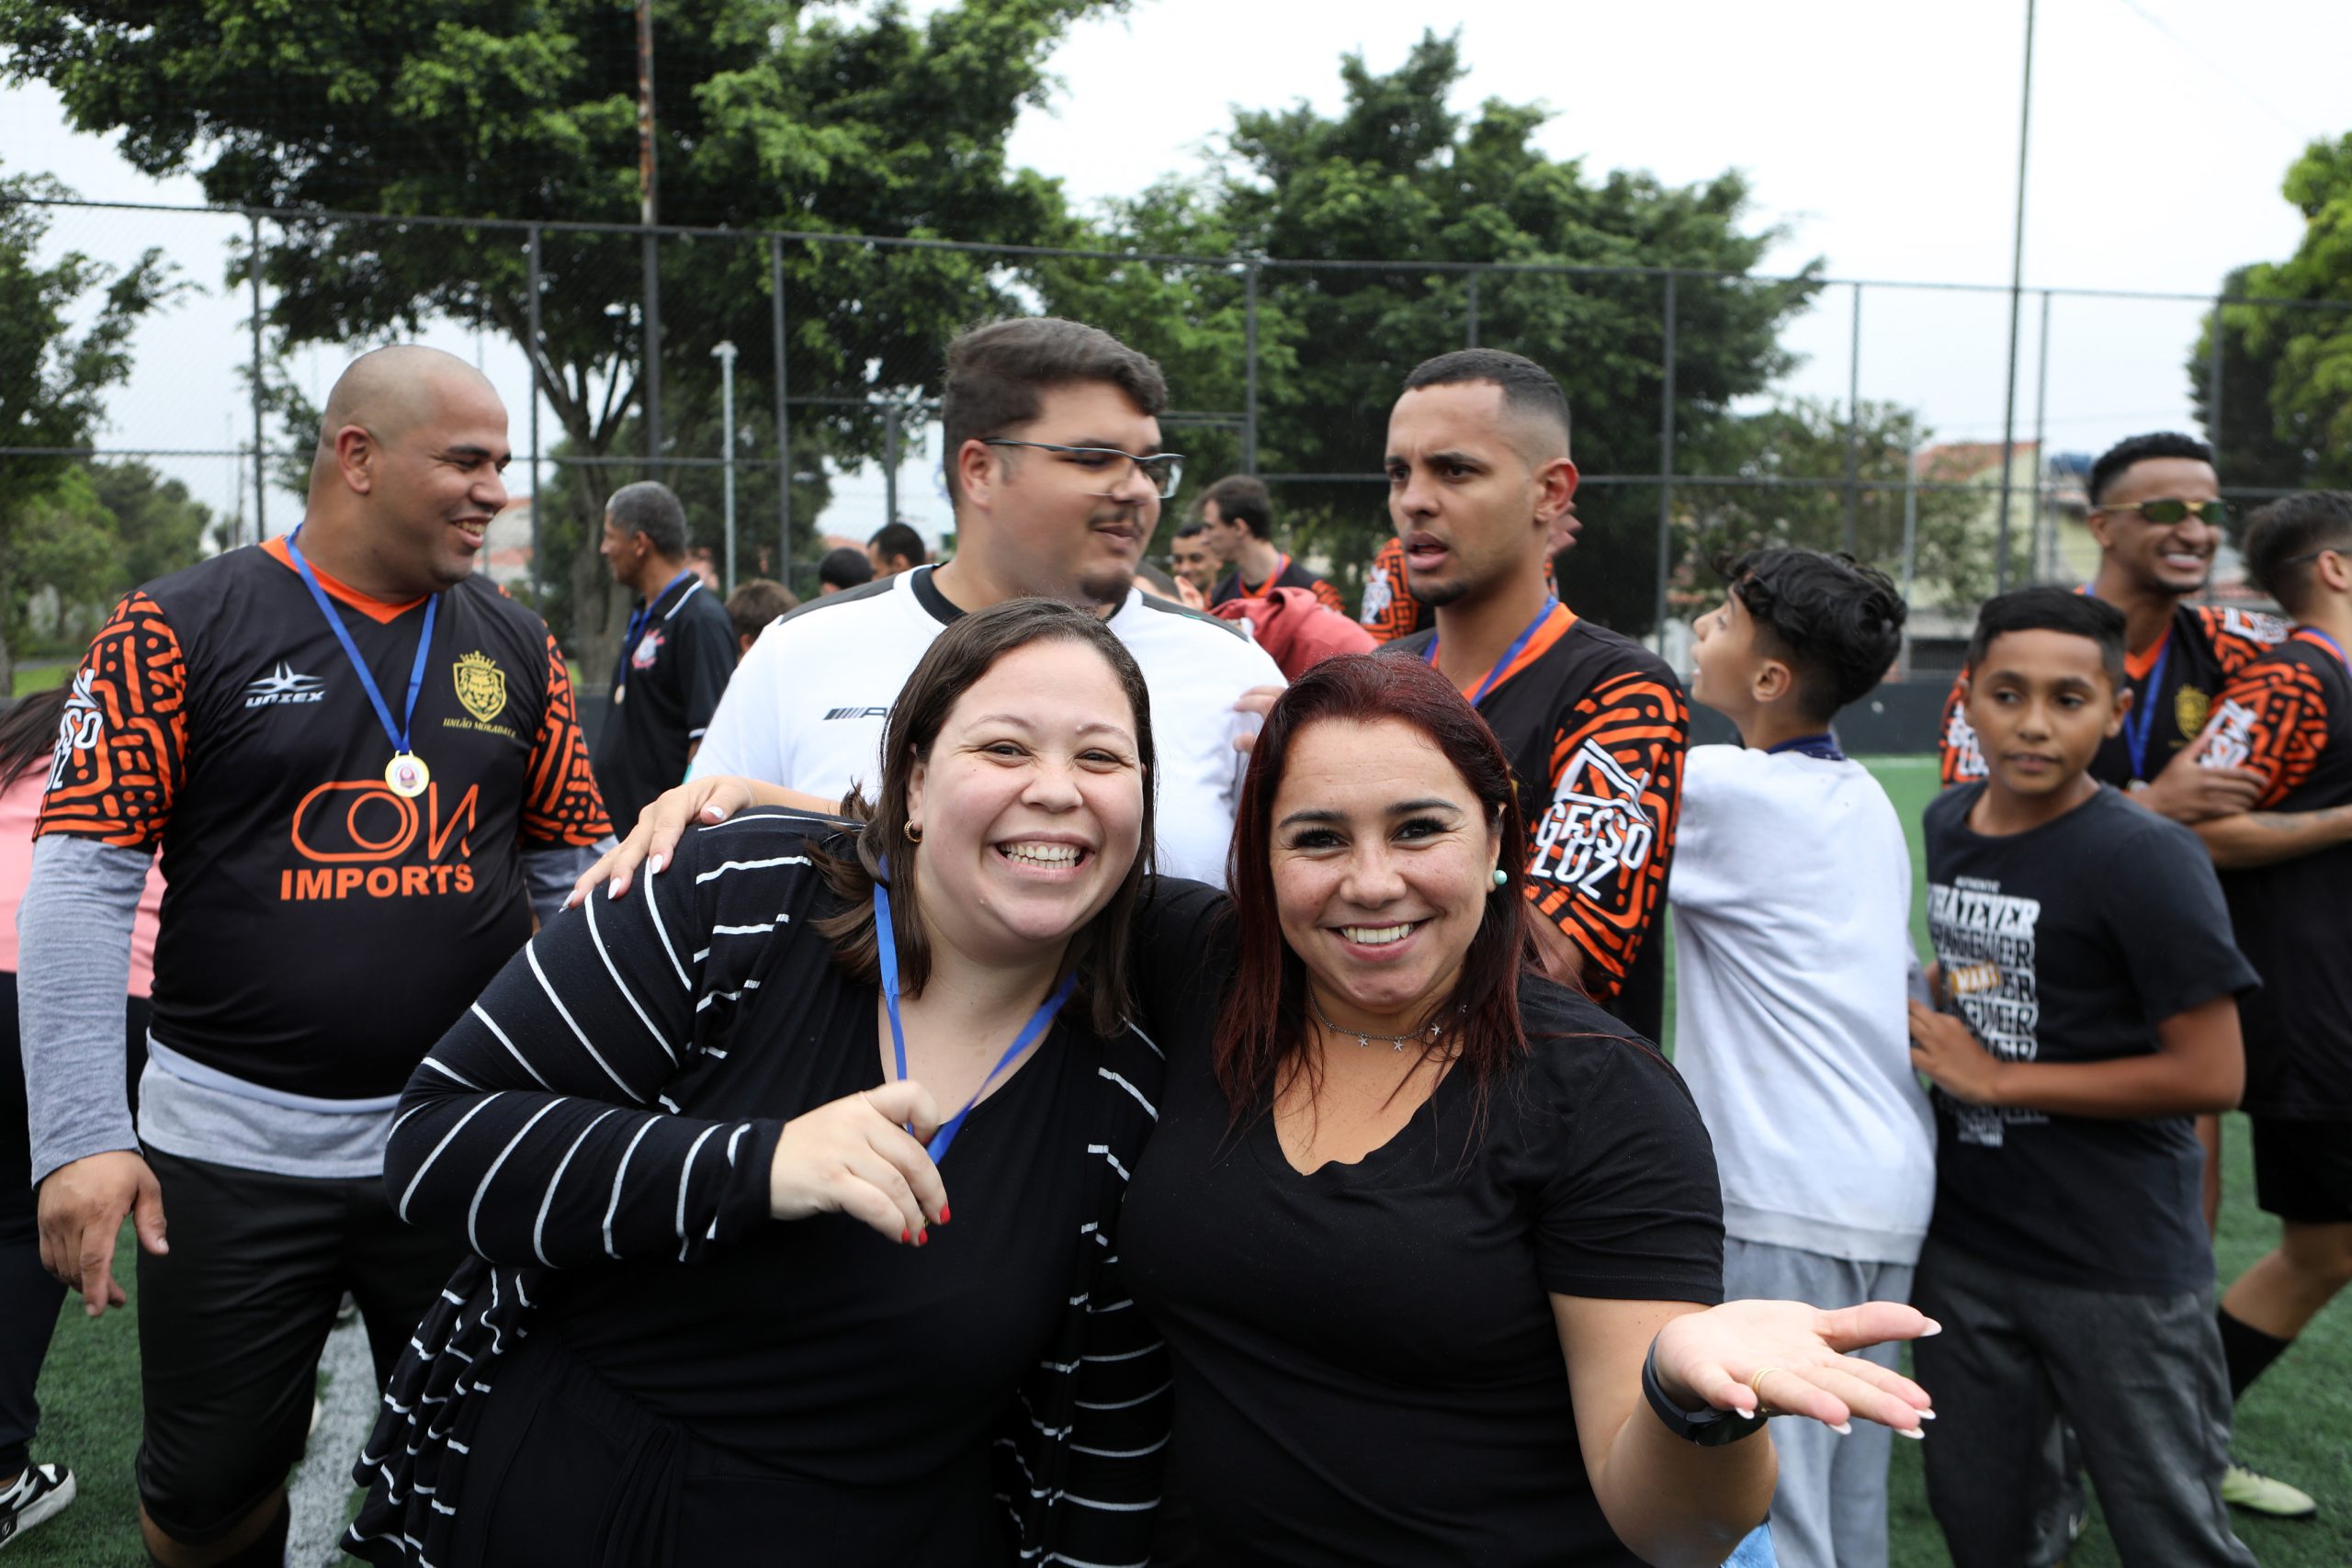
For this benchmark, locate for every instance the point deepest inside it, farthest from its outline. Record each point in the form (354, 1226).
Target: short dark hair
(757, 600)
(2052, 609)
(996, 375)
(2139, 449)
(953, 664)
(1243, 499)
(845, 567)
(2282, 538)
(1161, 583)
(896, 541)
(1529, 389)
(1837, 623)
(651, 508)
(1190, 526)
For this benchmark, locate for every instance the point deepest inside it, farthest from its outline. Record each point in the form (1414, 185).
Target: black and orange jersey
(2204, 646)
(1390, 611)
(1595, 725)
(2287, 716)
(1288, 574)
(320, 931)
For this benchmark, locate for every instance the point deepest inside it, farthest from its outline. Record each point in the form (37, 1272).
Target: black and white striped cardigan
(537, 1134)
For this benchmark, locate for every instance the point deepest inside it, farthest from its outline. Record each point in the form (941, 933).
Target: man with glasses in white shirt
(1055, 469)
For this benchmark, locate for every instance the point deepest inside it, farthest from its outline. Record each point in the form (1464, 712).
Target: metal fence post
(890, 461)
(1854, 430)
(533, 351)
(1910, 549)
(2045, 524)
(650, 372)
(1470, 325)
(1250, 357)
(783, 414)
(261, 451)
(1666, 465)
(725, 354)
(2213, 382)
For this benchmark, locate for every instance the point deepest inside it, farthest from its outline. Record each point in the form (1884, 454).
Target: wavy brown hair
(954, 664)
(1261, 1027)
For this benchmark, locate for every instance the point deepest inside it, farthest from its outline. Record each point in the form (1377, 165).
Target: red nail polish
(922, 1238)
(942, 1213)
(906, 1235)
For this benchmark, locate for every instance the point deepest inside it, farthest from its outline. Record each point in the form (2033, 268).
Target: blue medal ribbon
(397, 734)
(1518, 644)
(1824, 746)
(2139, 724)
(639, 619)
(886, 952)
(2333, 647)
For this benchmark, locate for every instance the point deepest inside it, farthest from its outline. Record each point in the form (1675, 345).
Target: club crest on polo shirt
(2189, 708)
(649, 648)
(482, 685)
(283, 687)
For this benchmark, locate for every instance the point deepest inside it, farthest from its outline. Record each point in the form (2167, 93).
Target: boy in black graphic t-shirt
(2090, 990)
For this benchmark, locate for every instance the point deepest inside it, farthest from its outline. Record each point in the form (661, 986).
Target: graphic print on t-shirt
(1597, 834)
(1985, 939)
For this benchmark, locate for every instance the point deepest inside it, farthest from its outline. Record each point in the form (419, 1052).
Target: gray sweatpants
(2140, 1380)
(1829, 1507)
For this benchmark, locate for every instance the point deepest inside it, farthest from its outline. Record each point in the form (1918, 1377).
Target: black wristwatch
(1710, 1428)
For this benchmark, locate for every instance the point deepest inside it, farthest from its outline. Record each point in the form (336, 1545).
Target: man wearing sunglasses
(1055, 469)
(2157, 513)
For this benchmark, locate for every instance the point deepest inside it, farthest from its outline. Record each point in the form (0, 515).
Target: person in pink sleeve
(31, 1492)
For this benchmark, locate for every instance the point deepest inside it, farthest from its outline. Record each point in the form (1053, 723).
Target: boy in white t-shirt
(1792, 897)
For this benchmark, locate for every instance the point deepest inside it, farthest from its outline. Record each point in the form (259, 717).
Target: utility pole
(648, 214)
(2016, 302)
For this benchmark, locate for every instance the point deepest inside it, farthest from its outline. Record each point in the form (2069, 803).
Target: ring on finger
(1756, 1386)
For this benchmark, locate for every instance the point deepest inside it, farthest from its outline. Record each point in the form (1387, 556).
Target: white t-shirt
(807, 705)
(1791, 895)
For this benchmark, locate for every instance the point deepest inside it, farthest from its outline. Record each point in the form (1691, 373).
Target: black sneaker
(42, 1490)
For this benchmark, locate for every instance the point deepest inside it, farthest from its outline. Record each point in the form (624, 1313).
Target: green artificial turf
(2297, 1423)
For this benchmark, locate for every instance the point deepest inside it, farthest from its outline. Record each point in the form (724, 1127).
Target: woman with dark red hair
(1435, 1245)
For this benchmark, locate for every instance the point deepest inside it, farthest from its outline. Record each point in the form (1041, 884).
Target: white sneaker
(41, 1491)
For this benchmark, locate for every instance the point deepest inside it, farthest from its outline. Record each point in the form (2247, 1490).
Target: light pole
(2016, 302)
(725, 354)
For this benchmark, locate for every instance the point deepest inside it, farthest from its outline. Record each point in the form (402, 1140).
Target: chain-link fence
(1711, 410)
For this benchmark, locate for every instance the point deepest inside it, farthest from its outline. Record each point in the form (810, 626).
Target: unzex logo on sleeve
(309, 902)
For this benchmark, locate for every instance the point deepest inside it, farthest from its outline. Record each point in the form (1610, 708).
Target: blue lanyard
(639, 619)
(1518, 643)
(2333, 647)
(2138, 725)
(398, 735)
(1824, 746)
(886, 952)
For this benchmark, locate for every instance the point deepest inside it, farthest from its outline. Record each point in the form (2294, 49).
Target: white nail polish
(653, 865)
(1911, 1432)
(1844, 1428)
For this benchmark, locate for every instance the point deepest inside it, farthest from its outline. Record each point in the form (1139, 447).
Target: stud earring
(1502, 877)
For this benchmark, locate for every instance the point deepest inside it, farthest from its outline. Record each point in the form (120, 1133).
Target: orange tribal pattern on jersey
(128, 717)
(2271, 717)
(560, 804)
(1601, 852)
(1390, 611)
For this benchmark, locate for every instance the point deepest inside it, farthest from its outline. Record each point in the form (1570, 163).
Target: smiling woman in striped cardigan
(723, 1302)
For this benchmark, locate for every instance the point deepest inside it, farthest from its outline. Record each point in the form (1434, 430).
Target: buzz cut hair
(2284, 539)
(1529, 390)
(651, 508)
(2111, 463)
(2052, 609)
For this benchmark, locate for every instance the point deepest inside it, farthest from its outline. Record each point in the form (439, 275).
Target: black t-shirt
(663, 694)
(2288, 716)
(2172, 683)
(1595, 725)
(1289, 574)
(1367, 1366)
(319, 932)
(2070, 943)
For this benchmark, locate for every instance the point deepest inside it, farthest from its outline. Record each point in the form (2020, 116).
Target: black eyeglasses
(1163, 470)
(2213, 512)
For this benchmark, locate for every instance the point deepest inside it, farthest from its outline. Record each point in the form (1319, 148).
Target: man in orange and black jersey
(1238, 520)
(1594, 724)
(2156, 512)
(359, 761)
(2287, 871)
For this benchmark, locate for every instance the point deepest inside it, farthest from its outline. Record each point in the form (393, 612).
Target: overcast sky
(1881, 137)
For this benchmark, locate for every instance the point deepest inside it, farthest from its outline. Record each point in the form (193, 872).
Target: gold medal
(406, 775)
